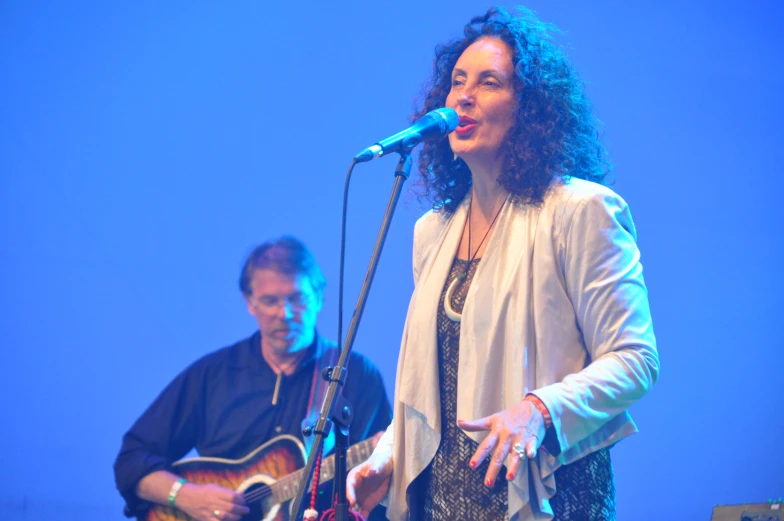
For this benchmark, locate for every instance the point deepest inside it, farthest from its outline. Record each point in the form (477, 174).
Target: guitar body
(252, 476)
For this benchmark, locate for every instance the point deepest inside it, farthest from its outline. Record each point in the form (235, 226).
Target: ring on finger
(216, 513)
(519, 450)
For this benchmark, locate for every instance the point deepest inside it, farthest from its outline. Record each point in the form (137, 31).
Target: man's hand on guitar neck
(201, 502)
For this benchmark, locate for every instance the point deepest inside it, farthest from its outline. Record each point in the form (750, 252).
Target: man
(233, 400)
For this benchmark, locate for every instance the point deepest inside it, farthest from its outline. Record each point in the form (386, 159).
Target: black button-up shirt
(222, 406)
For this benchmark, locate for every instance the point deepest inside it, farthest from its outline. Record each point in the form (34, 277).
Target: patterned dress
(451, 490)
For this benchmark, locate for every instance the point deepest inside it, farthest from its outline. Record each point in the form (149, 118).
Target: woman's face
(483, 95)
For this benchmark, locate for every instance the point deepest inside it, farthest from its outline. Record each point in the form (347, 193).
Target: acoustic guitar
(268, 477)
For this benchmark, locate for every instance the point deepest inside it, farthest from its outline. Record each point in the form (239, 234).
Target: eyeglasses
(296, 302)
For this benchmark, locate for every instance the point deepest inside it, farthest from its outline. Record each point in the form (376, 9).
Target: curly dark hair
(555, 135)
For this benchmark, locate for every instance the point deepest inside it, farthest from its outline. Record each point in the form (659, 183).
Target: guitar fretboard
(286, 488)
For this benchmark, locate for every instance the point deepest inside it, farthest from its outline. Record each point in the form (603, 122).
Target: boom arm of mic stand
(324, 423)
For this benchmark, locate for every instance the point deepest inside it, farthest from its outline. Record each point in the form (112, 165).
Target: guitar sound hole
(256, 498)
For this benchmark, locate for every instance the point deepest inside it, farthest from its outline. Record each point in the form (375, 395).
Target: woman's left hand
(520, 426)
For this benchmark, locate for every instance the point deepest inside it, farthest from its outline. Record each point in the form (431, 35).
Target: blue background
(145, 147)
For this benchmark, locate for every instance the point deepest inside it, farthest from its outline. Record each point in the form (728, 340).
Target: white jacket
(557, 307)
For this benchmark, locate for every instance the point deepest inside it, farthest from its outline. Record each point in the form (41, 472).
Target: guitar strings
(261, 493)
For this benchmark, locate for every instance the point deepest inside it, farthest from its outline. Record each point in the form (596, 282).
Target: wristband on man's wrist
(175, 489)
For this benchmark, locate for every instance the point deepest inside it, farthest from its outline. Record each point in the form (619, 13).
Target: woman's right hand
(211, 503)
(368, 483)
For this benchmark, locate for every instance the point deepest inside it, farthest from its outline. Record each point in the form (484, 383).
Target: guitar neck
(286, 488)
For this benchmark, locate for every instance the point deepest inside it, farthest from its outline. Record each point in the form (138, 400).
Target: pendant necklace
(281, 371)
(453, 315)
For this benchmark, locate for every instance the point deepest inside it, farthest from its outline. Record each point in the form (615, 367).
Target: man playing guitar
(230, 402)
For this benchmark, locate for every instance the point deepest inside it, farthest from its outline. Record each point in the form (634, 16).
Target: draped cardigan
(557, 307)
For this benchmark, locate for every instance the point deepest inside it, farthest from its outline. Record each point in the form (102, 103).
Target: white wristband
(175, 489)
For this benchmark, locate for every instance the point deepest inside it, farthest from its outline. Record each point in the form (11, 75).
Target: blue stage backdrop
(145, 147)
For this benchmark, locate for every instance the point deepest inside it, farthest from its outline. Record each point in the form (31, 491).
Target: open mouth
(465, 126)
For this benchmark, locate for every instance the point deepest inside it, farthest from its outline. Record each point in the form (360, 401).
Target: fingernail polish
(509, 476)
(489, 482)
(472, 464)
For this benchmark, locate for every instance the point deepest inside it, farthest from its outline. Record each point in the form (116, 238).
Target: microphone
(433, 125)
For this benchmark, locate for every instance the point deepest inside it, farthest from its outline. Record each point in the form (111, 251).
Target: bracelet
(175, 489)
(541, 407)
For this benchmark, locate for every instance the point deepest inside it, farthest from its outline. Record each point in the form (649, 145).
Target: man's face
(286, 308)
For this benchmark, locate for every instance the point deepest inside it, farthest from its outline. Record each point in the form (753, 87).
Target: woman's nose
(466, 97)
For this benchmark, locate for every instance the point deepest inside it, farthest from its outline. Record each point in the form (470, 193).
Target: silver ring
(519, 450)
(216, 513)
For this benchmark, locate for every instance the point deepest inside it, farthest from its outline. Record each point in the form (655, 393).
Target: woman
(529, 334)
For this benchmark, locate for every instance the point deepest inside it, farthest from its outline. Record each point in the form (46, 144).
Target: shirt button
(278, 429)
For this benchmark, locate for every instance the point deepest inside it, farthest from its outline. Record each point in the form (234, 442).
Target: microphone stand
(337, 375)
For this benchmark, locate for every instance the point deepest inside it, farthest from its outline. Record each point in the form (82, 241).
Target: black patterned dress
(450, 490)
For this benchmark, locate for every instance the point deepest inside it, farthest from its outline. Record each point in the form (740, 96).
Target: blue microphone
(433, 125)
